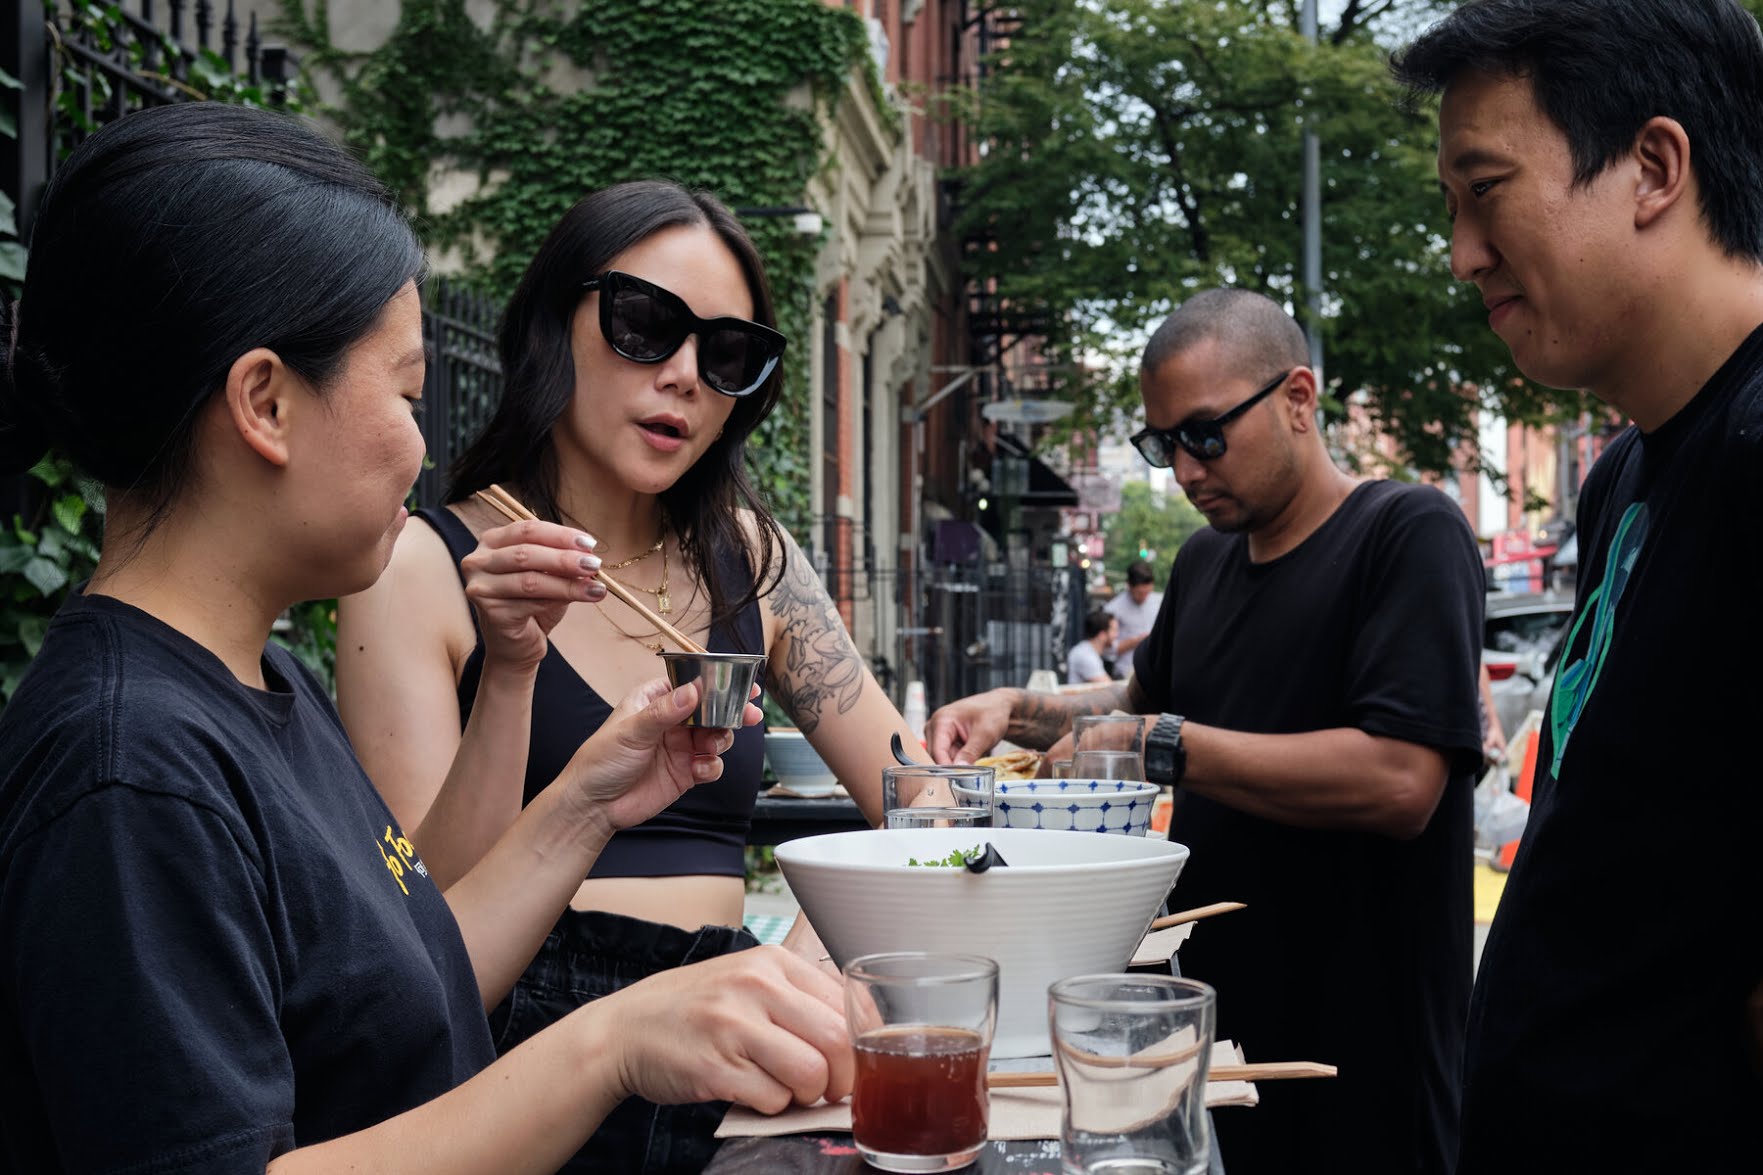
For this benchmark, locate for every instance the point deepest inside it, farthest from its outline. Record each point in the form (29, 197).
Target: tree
(1143, 149)
(1153, 523)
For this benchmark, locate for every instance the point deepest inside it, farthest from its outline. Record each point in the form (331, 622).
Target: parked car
(1522, 637)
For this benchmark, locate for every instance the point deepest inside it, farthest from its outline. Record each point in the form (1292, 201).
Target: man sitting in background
(1084, 660)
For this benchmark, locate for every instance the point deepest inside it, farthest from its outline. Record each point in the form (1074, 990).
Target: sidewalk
(771, 910)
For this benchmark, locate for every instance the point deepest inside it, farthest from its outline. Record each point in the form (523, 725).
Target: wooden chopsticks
(505, 503)
(1268, 1071)
(1194, 915)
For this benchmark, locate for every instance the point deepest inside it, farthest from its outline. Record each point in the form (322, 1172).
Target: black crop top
(702, 832)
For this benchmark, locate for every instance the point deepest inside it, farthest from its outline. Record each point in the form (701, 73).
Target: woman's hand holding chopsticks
(520, 580)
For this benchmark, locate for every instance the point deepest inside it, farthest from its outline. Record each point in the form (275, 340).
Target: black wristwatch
(1166, 759)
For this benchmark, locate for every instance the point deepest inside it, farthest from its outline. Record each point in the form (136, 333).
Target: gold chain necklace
(635, 559)
(641, 638)
(663, 602)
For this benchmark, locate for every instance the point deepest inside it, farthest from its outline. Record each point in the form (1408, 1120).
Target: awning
(1046, 488)
(1024, 478)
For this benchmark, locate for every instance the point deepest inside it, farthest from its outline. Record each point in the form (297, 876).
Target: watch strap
(1166, 759)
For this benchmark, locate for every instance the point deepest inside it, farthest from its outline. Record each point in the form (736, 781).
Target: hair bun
(23, 439)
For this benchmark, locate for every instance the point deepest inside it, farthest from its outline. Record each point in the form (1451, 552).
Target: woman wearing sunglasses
(223, 953)
(639, 355)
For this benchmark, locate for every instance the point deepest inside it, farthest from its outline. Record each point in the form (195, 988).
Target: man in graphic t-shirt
(1602, 164)
(1310, 684)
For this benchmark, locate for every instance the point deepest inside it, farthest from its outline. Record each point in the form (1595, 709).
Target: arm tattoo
(820, 663)
(1039, 720)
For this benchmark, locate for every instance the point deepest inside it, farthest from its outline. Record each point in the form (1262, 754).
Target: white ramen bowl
(1062, 906)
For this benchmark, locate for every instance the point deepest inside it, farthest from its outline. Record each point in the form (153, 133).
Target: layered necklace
(663, 602)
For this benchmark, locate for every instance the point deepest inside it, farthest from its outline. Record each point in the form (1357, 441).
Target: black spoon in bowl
(980, 862)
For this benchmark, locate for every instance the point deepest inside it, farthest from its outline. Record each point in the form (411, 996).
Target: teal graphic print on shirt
(1574, 684)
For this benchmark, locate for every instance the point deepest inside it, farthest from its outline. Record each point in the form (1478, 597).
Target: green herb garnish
(955, 860)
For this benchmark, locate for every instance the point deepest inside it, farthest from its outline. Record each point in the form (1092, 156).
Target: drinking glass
(1108, 746)
(921, 1025)
(937, 796)
(1132, 1053)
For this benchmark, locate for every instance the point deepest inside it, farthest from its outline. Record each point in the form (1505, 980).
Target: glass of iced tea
(921, 1025)
(937, 796)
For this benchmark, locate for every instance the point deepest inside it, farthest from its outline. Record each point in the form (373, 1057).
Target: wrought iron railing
(114, 61)
(963, 628)
(464, 380)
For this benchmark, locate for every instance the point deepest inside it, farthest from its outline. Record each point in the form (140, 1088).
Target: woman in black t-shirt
(225, 952)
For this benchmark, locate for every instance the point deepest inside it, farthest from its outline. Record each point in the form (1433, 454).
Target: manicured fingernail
(592, 589)
(586, 542)
(590, 562)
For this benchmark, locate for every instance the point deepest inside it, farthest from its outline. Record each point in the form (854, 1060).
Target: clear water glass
(1108, 746)
(1132, 1052)
(937, 796)
(1129, 765)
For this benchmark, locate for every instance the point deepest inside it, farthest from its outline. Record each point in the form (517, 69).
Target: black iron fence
(464, 380)
(962, 628)
(77, 64)
(81, 64)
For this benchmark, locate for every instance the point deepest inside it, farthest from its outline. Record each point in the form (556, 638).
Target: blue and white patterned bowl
(1084, 805)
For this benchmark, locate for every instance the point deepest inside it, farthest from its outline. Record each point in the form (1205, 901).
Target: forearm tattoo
(820, 663)
(1039, 720)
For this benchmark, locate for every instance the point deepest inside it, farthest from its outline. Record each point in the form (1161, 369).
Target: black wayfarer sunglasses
(645, 324)
(1203, 439)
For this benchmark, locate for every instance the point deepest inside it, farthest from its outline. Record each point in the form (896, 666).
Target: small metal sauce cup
(725, 682)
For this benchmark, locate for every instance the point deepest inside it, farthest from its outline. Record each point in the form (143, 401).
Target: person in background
(1136, 610)
(1083, 661)
(641, 353)
(1604, 176)
(1493, 735)
(1310, 693)
(224, 954)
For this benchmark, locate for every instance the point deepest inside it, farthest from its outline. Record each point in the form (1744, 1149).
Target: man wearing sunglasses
(1310, 691)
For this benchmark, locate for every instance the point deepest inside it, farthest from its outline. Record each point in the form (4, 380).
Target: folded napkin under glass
(1017, 1114)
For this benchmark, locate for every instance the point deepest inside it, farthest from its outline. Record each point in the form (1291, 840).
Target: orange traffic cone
(1526, 776)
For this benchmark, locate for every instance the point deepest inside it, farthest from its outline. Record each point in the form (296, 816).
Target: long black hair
(169, 243)
(516, 447)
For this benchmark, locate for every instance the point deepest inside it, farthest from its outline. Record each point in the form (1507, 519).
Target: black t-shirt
(216, 943)
(1355, 948)
(1608, 1030)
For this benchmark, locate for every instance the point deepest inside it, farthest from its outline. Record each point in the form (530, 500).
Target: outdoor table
(834, 1154)
(780, 818)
